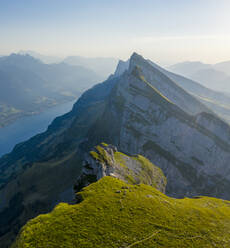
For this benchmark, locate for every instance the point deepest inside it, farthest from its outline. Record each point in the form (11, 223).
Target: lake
(26, 127)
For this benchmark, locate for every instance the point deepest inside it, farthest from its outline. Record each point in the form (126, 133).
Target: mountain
(44, 58)
(215, 77)
(29, 86)
(125, 211)
(102, 66)
(218, 102)
(59, 75)
(188, 68)
(212, 79)
(224, 67)
(140, 111)
(122, 66)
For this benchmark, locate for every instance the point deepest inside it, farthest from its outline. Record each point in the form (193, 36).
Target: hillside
(140, 111)
(116, 214)
(29, 86)
(216, 101)
(105, 160)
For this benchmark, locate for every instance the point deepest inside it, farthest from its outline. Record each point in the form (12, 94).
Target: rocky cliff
(141, 111)
(218, 102)
(140, 119)
(105, 160)
(120, 209)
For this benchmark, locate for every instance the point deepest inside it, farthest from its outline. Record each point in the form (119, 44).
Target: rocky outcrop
(141, 112)
(105, 160)
(121, 68)
(139, 119)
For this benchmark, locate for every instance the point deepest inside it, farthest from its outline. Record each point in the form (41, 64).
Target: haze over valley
(29, 86)
(114, 124)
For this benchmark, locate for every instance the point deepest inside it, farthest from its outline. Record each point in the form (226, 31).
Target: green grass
(100, 154)
(138, 73)
(133, 169)
(150, 174)
(116, 214)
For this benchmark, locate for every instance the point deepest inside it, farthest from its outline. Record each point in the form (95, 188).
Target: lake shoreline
(27, 126)
(15, 117)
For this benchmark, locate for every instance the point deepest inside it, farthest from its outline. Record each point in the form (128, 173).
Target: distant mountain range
(216, 77)
(44, 58)
(176, 123)
(29, 86)
(100, 65)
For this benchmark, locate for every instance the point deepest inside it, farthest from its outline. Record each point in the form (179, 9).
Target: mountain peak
(122, 66)
(16, 58)
(134, 60)
(137, 60)
(135, 56)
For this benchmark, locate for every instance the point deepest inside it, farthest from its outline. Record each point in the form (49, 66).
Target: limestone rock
(105, 160)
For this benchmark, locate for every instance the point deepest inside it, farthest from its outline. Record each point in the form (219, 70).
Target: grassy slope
(116, 214)
(147, 173)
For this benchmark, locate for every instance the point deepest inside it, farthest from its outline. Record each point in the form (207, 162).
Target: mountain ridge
(120, 183)
(133, 113)
(29, 86)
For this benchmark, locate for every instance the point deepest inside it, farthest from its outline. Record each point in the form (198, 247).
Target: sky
(166, 31)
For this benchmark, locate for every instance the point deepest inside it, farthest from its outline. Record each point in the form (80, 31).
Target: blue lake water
(26, 127)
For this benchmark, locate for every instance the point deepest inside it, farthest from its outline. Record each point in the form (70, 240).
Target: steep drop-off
(141, 111)
(106, 160)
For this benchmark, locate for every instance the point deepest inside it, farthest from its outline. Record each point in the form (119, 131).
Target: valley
(29, 86)
(140, 110)
(25, 127)
(115, 124)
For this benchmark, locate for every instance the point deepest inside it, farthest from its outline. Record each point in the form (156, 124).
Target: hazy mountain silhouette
(216, 77)
(141, 111)
(102, 66)
(44, 58)
(29, 86)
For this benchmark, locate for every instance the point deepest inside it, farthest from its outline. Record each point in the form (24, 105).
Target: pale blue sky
(163, 30)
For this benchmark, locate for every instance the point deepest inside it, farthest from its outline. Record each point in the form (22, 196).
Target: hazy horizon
(164, 31)
(96, 152)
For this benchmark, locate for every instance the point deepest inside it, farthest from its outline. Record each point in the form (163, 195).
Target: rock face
(193, 151)
(105, 160)
(121, 67)
(219, 102)
(141, 111)
(193, 157)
